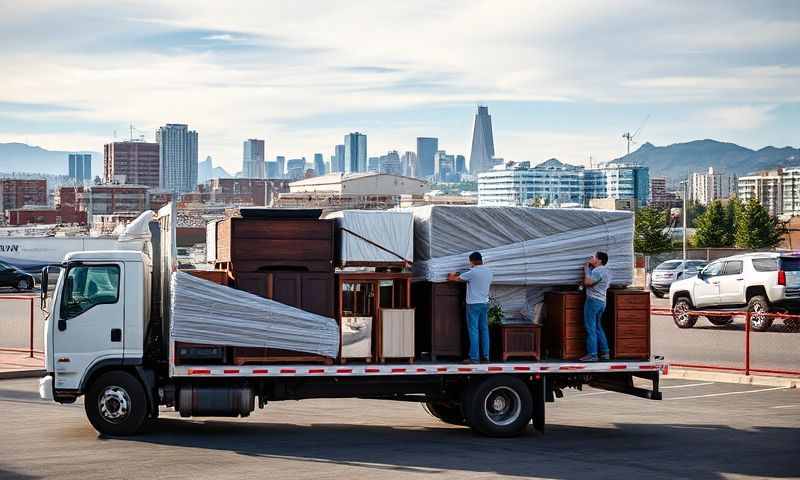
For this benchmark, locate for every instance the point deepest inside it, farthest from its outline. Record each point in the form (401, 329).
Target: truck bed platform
(546, 367)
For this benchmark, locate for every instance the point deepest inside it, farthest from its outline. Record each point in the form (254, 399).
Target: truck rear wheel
(116, 404)
(447, 412)
(499, 406)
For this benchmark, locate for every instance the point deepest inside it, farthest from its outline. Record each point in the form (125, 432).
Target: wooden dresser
(518, 340)
(563, 334)
(627, 323)
(439, 319)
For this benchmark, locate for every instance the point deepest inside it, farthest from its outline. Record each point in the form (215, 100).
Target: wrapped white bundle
(374, 236)
(208, 313)
(522, 246)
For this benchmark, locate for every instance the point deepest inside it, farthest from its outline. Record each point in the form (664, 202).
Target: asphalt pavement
(700, 430)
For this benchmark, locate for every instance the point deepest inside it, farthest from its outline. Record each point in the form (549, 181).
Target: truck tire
(499, 406)
(720, 321)
(447, 412)
(680, 313)
(116, 404)
(759, 304)
(791, 325)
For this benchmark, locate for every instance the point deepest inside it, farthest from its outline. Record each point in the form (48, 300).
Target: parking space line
(727, 393)
(786, 406)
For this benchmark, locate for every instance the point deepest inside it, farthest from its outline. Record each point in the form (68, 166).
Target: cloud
(276, 70)
(745, 117)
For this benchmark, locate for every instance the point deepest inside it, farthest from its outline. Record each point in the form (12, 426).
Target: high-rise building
(659, 196)
(337, 162)
(355, 153)
(319, 164)
(481, 159)
(296, 168)
(408, 164)
(253, 165)
(131, 162)
(177, 157)
(618, 180)
(766, 187)
(374, 164)
(707, 187)
(80, 167)
(444, 166)
(426, 150)
(390, 163)
(272, 170)
(281, 161)
(461, 165)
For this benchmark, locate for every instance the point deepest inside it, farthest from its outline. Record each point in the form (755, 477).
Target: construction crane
(140, 136)
(630, 137)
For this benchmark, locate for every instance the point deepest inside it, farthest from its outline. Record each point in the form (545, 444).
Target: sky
(561, 79)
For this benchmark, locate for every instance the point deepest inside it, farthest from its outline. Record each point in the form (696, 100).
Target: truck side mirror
(43, 294)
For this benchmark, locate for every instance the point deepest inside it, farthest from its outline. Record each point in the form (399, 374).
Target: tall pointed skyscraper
(480, 159)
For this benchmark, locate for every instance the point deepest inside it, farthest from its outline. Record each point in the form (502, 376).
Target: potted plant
(495, 327)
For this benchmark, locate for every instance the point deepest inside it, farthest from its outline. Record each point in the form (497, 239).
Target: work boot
(588, 358)
(467, 361)
(605, 357)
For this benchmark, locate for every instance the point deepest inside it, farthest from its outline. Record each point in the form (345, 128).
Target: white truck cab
(97, 315)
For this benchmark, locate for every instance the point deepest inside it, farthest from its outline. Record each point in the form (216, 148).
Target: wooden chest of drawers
(627, 323)
(563, 334)
(439, 319)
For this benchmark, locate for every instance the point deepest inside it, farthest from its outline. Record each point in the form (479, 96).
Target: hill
(674, 161)
(20, 157)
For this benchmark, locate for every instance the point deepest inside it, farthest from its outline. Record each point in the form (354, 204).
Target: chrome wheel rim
(502, 406)
(114, 404)
(22, 284)
(682, 313)
(756, 319)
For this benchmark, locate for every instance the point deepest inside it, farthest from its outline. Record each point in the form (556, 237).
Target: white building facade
(710, 186)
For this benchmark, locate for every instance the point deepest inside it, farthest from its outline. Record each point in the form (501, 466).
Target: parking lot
(699, 430)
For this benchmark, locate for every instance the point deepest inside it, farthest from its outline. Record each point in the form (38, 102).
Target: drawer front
(574, 330)
(632, 348)
(632, 330)
(573, 300)
(575, 348)
(632, 301)
(632, 317)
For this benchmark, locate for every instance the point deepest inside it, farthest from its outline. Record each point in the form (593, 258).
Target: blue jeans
(478, 329)
(592, 314)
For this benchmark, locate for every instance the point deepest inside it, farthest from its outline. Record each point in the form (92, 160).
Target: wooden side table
(520, 340)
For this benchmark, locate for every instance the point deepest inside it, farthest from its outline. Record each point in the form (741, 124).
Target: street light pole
(685, 194)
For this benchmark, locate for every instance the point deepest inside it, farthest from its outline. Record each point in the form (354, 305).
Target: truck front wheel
(116, 404)
(680, 313)
(499, 406)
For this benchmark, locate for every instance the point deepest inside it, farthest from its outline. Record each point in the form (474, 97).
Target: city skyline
(220, 73)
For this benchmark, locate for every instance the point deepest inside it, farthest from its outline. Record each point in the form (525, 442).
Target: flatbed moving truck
(107, 338)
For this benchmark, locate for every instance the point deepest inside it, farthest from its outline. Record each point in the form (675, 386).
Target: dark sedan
(11, 276)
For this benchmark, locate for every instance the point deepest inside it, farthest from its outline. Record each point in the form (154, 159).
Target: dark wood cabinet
(313, 292)
(627, 323)
(259, 244)
(439, 318)
(564, 335)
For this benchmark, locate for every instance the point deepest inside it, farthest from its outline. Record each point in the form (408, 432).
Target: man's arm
(454, 277)
(588, 280)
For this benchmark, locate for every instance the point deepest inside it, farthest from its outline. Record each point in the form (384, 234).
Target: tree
(755, 228)
(651, 236)
(732, 209)
(713, 230)
(694, 210)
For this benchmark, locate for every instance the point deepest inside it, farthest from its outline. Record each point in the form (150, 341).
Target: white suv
(761, 282)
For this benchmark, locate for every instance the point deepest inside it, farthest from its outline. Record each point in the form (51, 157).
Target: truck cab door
(89, 321)
(706, 285)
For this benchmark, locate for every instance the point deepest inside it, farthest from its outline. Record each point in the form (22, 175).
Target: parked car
(11, 276)
(760, 282)
(671, 270)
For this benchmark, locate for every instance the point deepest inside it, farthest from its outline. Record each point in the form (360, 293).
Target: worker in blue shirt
(479, 279)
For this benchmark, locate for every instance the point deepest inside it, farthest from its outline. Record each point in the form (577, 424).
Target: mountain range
(676, 160)
(24, 158)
